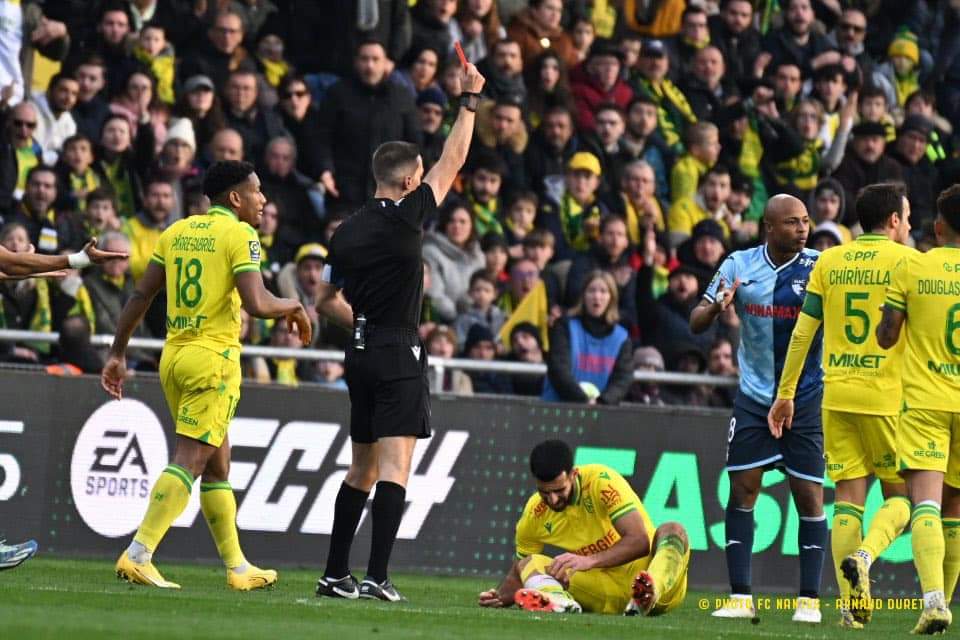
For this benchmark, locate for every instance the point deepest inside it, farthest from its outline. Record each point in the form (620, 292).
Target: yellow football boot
(252, 578)
(145, 574)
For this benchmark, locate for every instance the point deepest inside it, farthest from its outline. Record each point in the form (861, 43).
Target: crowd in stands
(622, 149)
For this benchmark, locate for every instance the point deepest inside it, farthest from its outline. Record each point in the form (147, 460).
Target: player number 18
(188, 286)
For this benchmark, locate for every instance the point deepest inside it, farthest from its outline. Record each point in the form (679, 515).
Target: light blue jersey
(768, 302)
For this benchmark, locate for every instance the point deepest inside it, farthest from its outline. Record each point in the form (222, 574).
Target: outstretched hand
(299, 322)
(725, 296)
(99, 257)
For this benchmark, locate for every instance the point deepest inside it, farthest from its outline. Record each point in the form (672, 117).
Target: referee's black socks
(388, 505)
(346, 516)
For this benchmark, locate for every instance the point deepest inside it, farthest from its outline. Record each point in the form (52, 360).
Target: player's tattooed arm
(502, 596)
(888, 331)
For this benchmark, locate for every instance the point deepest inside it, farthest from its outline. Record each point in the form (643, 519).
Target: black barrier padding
(290, 451)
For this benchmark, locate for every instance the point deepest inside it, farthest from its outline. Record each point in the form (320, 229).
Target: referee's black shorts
(389, 392)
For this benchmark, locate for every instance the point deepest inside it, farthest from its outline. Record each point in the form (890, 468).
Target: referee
(376, 260)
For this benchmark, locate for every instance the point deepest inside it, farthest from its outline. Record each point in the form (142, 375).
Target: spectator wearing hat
(590, 359)
(300, 221)
(538, 27)
(796, 41)
(826, 235)
(431, 106)
(686, 357)
(865, 163)
(481, 345)
(357, 115)
(198, 101)
(526, 346)
(709, 202)
(300, 118)
(501, 129)
(704, 250)
(668, 326)
(597, 81)
(441, 342)
(732, 32)
(647, 359)
(673, 109)
(902, 71)
(574, 220)
(177, 162)
(302, 280)
(708, 87)
(919, 174)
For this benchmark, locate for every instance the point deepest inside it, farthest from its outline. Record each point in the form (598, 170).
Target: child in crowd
(157, 54)
(75, 173)
(521, 215)
(874, 108)
(483, 311)
(703, 149)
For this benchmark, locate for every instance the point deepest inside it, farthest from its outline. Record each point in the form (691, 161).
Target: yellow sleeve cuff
(800, 340)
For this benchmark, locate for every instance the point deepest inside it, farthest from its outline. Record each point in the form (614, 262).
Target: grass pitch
(81, 599)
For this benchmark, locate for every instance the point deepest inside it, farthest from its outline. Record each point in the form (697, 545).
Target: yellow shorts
(929, 440)
(610, 590)
(857, 445)
(202, 388)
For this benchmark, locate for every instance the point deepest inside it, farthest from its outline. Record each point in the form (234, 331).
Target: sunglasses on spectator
(295, 94)
(846, 26)
(25, 123)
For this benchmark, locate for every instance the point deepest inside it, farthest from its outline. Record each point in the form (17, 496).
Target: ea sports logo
(118, 455)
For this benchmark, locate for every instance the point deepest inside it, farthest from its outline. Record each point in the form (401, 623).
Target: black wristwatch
(470, 101)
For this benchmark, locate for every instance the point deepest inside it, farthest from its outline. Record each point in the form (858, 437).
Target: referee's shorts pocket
(399, 362)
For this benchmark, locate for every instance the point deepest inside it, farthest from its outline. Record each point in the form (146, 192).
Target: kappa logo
(609, 496)
(254, 250)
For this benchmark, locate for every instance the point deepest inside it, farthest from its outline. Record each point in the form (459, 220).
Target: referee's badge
(254, 250)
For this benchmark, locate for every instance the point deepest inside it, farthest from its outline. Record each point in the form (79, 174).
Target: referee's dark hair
(875, 203)
(394, 161)
(948, 205)
(223, 175)
(549, 459)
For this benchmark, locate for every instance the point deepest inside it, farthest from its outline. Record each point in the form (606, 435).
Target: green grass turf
(81, 599)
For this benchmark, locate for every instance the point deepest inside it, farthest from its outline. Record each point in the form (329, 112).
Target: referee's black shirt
(376, 257)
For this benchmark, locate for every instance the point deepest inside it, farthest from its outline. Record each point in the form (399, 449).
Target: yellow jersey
(926, 286)
(143, 240)
(846, 289)
(201, 255)
(686, 212)
(600, 497)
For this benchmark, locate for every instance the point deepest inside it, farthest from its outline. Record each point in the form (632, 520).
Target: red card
(459, 50)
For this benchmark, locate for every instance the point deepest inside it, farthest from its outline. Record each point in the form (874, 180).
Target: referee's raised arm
(455, 149)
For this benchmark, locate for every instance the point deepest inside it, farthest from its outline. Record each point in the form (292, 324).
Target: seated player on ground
(616, 561)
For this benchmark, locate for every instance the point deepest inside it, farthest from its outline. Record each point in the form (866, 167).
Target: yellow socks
(220, 510)
(167, 501)
(951, 558)
(886, 525)
(928, 546)
(668, 563)
(845, 538)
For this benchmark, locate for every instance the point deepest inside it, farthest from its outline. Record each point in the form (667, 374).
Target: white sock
(139, 553)
(866, 557)
(540, 580)
(933, 599)
(240, 569)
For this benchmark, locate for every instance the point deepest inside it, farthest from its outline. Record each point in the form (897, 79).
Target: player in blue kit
(766, 285)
